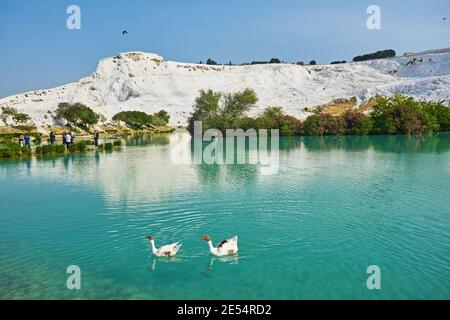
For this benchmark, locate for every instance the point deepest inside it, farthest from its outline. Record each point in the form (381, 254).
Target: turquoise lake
(336, 206)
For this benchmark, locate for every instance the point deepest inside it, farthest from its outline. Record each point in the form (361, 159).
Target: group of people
(68, 138)
(25, 141)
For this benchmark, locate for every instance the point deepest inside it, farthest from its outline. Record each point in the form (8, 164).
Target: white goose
(225, 248)
(170, 250)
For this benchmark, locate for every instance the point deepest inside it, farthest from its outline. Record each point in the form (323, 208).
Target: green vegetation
(17, 117)
(394, 115)
(109, 146)
(77, 115)
(9, 150)
(142, 120)
(377, 55)
(338, 62)
(48, 149)
(211, 62)
(221, 111)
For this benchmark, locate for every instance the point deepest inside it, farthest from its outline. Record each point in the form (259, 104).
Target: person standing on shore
(27, 140)
(21, 141)
(68, 140)
(52, 138)
(96, 137)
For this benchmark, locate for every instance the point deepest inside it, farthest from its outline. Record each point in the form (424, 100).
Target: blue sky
(38, 51)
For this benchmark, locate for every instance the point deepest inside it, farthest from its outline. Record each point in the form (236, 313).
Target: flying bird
(124, 32)
(444, 19)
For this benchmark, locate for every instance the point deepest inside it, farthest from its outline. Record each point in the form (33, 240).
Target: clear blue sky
(38, 51)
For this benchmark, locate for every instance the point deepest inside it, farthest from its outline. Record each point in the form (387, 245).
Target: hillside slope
(145, 82)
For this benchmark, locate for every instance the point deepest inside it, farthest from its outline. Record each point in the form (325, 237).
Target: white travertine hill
(145, 82)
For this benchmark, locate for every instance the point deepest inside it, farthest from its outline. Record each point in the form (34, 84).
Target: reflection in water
(158, 260)
(437, 143)
(147, 139)
(231, 260)
(134, 175)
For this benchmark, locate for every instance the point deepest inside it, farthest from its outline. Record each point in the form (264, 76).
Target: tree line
(390, 115)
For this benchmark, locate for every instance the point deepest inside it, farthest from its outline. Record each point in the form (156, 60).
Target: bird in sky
(124, 32)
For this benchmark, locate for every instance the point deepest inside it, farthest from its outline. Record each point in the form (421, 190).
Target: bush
(440, 112)
(117, 143)
(59, 149)
(402, 115)
(324, 125)
(77, 114)
(211, 62)
(313, 63)
(376, 55)
(338, 62)
(109, 146)
(13, 150)
(81, 146)
(312, 126)
(357, 123)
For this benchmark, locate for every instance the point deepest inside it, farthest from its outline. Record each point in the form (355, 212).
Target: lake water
(336, 206)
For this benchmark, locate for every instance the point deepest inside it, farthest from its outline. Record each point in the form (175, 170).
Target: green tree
(135, 119)
(78, 115)
(161, 118)
(238, 103)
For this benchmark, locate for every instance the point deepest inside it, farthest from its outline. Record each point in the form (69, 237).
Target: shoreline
(10, 148)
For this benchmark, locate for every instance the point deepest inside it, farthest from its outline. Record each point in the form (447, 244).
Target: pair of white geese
(225, 248)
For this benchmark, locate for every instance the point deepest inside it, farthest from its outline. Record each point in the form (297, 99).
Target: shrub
(376, 55)
(440, 112)
(81, 146)
(313, 62)
(312, 126)
(357, 123)
(211, 62)
(117, 143)
(109, 146)
(402, 115)
(323, 125)
(290, 126)
(338, 62)
(59, 149)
